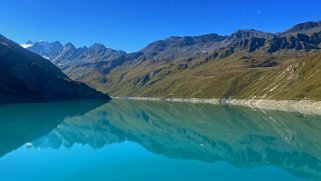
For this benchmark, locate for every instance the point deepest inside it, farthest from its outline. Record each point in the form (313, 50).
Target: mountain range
(204, 66)
(27, 77)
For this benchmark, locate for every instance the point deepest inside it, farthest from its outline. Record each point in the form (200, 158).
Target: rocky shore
(302, 106)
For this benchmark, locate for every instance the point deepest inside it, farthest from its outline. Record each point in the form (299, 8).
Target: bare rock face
(27, 77)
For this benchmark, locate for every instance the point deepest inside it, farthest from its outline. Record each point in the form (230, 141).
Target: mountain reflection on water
(21, 123)
(241, 136)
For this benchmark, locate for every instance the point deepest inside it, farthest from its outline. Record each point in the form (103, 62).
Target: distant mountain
(304, 36)
(223, 46)
(27, 77)
(191, 66)
(46, 49)
(241, 35)
(68, 55)
(183, 47)
(272, 44)
(305, 28)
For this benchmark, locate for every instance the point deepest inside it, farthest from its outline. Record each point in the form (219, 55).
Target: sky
(130, 25)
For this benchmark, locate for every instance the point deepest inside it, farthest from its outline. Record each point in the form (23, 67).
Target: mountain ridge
(195, 46)
(164, 67)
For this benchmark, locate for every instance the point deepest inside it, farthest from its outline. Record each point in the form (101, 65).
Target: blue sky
(132, 24)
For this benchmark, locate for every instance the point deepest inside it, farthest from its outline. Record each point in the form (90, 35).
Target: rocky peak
(307, 27)
(97, 48)
(45, 49)
(183, 46)
(29, 42)
(69, 46)
(40, 47)
(56, 43)
(249, 33)
(303, 26)
(177, 41)
(55, 47)
(209, 38)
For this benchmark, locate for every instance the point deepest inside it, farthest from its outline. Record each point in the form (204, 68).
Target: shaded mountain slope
(27, 77)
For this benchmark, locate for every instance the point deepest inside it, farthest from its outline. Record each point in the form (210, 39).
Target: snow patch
(26, 45)
(46, 57)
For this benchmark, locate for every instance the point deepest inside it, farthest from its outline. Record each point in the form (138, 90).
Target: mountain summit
(305, 28)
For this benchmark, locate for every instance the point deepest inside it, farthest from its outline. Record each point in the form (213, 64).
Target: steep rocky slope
(27, 77)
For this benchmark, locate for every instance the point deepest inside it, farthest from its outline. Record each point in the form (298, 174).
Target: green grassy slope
(292, 78)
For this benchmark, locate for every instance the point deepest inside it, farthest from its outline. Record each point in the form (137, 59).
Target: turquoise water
(145, 140)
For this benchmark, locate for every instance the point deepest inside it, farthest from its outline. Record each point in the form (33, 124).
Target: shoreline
(303, 106)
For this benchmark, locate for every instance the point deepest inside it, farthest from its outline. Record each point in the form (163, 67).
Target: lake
(146, 140)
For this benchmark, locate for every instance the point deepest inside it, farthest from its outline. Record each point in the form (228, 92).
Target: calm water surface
(144, 140)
